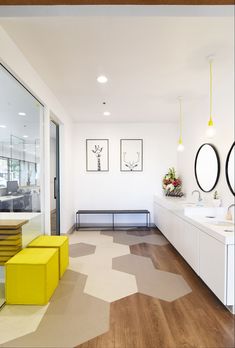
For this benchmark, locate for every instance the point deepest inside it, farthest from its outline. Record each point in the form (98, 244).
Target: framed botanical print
(97, 155)
(131, 155)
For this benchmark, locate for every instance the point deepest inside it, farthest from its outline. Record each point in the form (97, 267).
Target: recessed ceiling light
(2, 126)
(107, 113)
(21, 113)
(25, 136)
(102, 79)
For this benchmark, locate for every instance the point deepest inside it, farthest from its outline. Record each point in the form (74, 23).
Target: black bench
(112, 213)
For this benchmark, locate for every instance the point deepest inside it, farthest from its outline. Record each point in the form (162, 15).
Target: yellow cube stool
(60, 242)
(32, 276)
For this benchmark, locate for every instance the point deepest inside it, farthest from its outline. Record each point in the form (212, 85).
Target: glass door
(21, 154)
(54, 178)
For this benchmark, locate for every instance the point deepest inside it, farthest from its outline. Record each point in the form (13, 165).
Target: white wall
(194, 128)
(123, 190)
(13, 59)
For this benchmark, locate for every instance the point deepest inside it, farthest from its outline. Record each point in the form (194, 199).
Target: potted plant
(171, 184)
(216, 200)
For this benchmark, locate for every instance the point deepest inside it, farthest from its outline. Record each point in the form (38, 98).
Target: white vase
(216, 202)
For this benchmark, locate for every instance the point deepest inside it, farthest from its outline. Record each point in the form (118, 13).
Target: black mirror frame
(226, 168)
(218, 161)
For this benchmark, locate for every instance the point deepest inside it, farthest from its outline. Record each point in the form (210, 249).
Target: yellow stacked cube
(60, 242)
(32, 276)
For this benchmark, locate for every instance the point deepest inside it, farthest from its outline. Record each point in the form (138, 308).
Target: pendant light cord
(211, 90)
(180, 101)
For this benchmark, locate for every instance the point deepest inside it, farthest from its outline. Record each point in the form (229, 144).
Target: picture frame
(131, 155)
(97, 155)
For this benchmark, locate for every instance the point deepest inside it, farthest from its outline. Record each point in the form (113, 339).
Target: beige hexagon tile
(110, 285)
(90, 237)
(17, 321)
(112, 250)
(90, 264)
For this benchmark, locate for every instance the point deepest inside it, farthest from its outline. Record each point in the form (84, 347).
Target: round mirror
(207, 167)
(229, 169)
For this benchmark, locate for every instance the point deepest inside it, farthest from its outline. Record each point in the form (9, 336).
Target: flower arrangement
(171, 184)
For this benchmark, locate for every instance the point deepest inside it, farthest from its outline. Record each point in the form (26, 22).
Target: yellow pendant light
(211, 129)
(180, 147)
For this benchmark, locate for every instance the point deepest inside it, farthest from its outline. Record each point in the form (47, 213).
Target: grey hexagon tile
(81, 249)
(162, 285)
(122, 237)
(150, 281)
(72, 317)
(155, 239)
(133, 264)
(109, 233)
(140, 233)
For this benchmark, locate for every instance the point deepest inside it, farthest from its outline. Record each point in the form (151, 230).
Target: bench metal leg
(77, 221)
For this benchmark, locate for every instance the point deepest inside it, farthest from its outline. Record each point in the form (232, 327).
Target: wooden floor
(197, 320)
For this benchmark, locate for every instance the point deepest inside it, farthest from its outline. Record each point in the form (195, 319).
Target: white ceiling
(149, 60)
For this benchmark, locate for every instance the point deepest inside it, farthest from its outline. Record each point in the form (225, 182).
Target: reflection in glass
(3, 172)
(21, 119)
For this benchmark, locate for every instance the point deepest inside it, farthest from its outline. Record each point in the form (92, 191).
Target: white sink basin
(199, 211)
(189, 204)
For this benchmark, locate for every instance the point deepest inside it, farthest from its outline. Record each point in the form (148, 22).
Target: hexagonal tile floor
(101, 271)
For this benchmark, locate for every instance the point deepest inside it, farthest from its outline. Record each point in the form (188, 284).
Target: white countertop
(208, 219)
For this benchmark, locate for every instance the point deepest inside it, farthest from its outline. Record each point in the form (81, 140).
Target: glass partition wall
(21, 124)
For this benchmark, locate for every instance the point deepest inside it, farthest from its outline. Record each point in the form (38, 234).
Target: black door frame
(57, 178)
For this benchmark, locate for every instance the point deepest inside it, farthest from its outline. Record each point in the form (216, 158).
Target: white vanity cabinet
(210, 258)
(162, 219)
(190, 245)
(230, 275)
(182, 235)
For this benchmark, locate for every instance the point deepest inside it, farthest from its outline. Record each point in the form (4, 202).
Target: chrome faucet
(231, 205)
(199, 202)
(229, 215)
